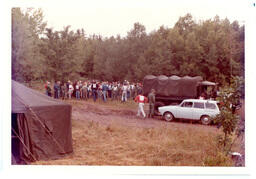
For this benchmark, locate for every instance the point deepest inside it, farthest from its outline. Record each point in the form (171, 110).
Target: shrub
(227, 120)
(219, 160)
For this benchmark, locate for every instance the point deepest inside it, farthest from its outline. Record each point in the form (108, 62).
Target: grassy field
(165, 144)
(170, 144)
(95, 144)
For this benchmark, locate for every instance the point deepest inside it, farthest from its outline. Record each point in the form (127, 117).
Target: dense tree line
(212, 48)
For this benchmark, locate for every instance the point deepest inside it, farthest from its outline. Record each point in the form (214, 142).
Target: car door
(185, 110)
(198, 110)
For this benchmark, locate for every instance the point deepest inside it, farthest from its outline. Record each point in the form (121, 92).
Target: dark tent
(173, 86)
(41, 126)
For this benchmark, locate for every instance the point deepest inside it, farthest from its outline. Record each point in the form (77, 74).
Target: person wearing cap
(141, 100)
(151, 100)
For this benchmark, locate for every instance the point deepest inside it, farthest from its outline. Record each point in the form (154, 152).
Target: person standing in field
(84, 91)
(132, 88)
(55, 88)
(151, 100)
(110, 90)
(58, 89)
(80, 89)
(104, 91)
(115, 92)
(70, 90)
(94, 88)
(63, 91)
(45, 86)
(139, 88)
(77, 90)
(67, 87)
(89, 90)
(119, 91)
(49, 90)
(141, 100)
(124, 92)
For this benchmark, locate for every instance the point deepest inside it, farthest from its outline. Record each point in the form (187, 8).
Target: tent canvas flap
(45, 128)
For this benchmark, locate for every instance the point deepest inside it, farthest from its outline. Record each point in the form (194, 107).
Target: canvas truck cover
(173, 86)
(44, 124)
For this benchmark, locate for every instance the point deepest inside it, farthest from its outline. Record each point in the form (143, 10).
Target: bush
(228, 120)
(219, 160)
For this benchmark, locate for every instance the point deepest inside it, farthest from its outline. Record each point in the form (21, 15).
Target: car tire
(168, 116)
(205, 120)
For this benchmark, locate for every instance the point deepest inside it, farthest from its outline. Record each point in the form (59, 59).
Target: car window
(187, 104)
(210, 106)
(199, 105)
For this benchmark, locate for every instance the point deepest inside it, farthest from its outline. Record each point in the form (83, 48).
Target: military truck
(174, 89)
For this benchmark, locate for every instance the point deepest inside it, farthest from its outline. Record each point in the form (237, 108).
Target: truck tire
(158, 104)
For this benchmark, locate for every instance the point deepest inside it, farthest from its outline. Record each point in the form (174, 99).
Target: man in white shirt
(70, 90)
(124, 92)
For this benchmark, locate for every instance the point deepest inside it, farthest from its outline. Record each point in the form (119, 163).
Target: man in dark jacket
(94, 88)
(151, 100)
(55, 88)
(104, 91)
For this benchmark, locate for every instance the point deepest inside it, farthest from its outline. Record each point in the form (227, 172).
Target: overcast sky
(112, 17)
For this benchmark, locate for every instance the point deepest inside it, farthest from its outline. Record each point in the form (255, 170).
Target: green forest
(213, 49)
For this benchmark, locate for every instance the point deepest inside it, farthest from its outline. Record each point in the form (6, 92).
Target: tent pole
(46, 130)
(42, 125)
(23, 144)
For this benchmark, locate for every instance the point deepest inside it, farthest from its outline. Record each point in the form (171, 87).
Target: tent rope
(20, 138)
(49, 132)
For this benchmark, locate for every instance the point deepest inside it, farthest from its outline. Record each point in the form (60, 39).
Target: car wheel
(206, 120)
(168, 116)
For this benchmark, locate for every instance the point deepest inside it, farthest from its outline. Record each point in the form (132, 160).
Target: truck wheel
(158, 104)
(205, 120)
(168, 116)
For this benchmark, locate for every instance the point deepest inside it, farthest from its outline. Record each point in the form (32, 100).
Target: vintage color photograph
(128, 83)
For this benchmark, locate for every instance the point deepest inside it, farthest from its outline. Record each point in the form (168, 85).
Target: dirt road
(106, 115)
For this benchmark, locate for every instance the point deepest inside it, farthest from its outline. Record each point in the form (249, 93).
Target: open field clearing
(110, 134)
(183, 58)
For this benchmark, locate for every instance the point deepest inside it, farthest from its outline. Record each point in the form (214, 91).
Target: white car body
(193, 109)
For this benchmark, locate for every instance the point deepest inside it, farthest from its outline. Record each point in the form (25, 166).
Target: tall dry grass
(113, 144)
(169, 144)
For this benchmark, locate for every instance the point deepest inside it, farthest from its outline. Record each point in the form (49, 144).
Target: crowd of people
(104, 91)
(93, 89)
